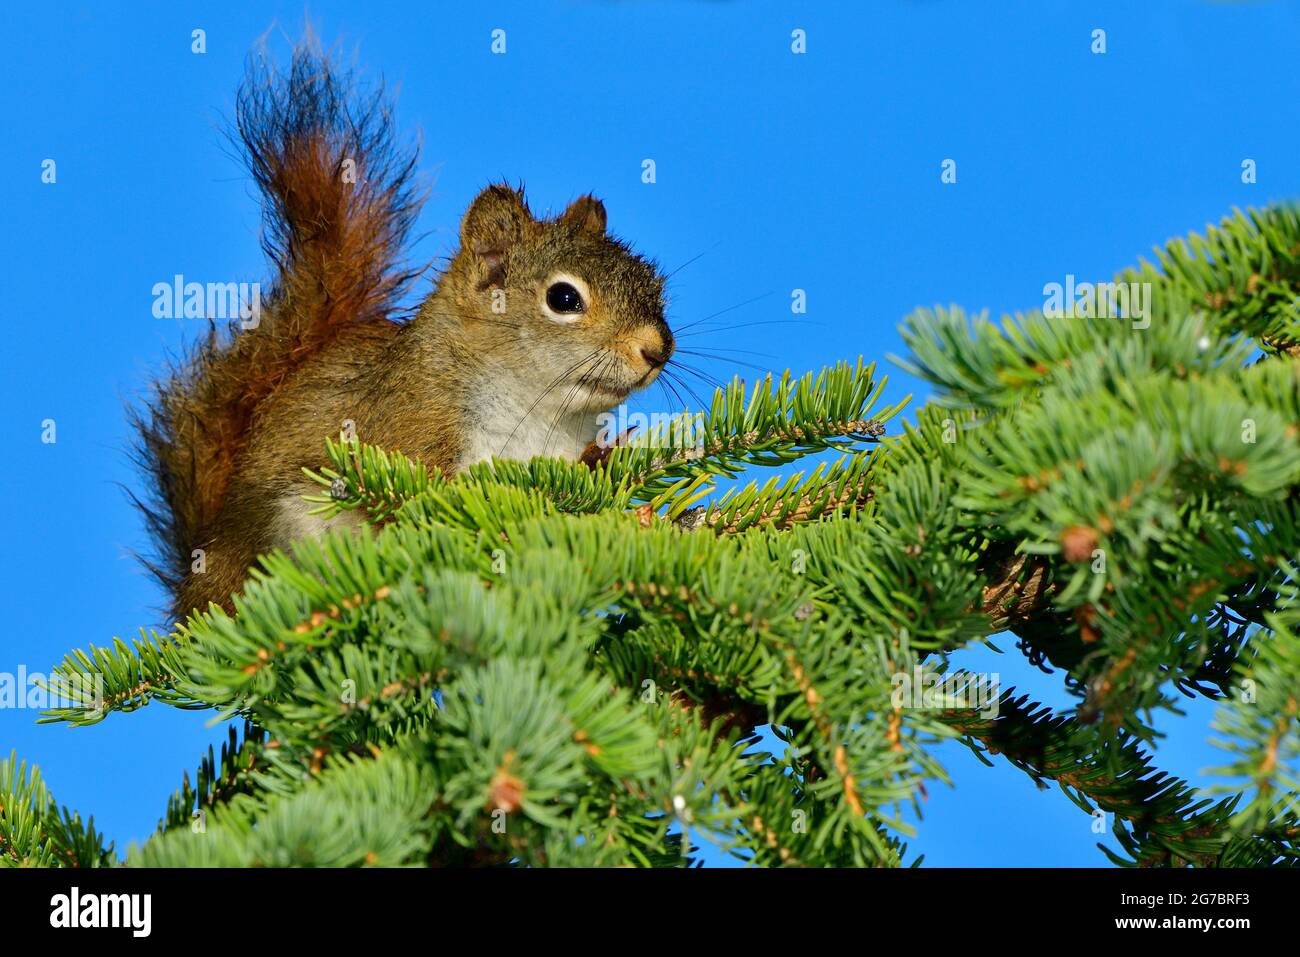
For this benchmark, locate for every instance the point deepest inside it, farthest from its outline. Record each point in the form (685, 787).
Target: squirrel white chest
(508, 422)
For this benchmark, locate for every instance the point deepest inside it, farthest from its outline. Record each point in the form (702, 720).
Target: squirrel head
(558, 300)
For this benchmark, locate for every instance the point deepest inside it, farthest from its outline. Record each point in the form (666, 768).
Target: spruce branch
(1158, 818)
(102, 680)
(539, 662)
(772, 424)
(35, 831)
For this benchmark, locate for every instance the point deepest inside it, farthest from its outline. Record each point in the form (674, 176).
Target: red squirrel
(533, 328)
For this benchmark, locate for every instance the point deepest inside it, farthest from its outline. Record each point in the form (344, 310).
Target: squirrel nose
(653, 359)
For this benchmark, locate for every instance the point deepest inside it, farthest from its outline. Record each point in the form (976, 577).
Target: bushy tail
(338, 205)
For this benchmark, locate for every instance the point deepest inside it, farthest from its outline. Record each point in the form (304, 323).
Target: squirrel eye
(563, 298)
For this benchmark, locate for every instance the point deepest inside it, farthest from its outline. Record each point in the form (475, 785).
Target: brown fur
(228, 435)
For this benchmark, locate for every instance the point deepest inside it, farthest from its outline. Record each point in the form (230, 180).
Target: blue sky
(818, 171)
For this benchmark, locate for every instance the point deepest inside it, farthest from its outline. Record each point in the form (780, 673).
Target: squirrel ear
(494, 222)
(588, 212)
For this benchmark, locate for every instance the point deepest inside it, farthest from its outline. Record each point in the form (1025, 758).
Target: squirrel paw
(597, 452)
